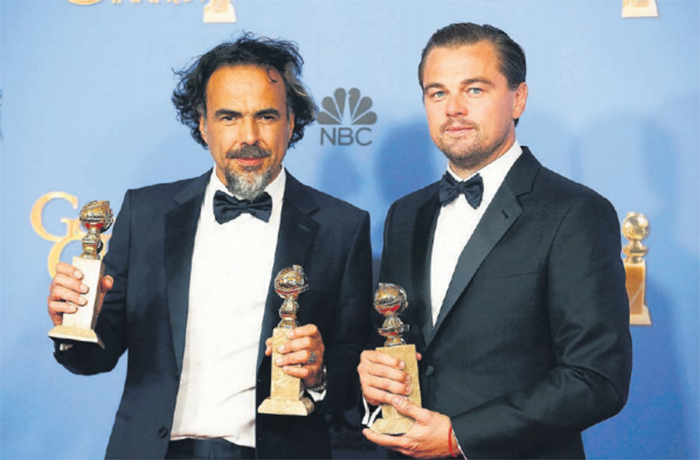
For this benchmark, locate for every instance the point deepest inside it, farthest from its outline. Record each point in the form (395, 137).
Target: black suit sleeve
(344, 344)
(589, 326)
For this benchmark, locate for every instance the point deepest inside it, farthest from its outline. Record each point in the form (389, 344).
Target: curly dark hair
(190, 93)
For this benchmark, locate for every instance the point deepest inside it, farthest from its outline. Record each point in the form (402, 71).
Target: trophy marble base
(285, 391)
(641, 319)
(636, 286)
(79, 326)
(392, 421)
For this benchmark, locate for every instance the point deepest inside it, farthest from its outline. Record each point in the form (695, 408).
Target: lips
(457, 127)
(249, 161)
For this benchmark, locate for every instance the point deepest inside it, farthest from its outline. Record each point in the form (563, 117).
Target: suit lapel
(294, 242)
(503, 211)
(180, 229)
(422, 248)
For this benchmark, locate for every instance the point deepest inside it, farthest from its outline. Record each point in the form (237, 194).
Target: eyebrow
(465, 82)
(235, 113)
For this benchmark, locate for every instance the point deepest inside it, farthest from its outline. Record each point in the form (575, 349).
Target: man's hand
(66, 287)
(382, 377)
(429, 437)
(302, 356)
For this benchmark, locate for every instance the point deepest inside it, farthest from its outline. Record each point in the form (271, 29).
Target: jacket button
(176, 375)
(430, 371)
(162, 432)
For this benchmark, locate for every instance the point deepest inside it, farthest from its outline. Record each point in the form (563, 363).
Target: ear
(519, 100)
(203, 128)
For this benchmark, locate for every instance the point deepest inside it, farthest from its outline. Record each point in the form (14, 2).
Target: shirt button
(430, 371)
(162, 432)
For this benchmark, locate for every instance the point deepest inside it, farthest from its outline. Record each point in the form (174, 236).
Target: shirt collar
(275, 188)
(494, 173)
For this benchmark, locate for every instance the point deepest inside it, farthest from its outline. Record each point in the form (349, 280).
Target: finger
(419, 356)
(368, 368)
(302, 372)
(406, 407)
(307, 330)
(57, 309)
(67, 269)
(297, 344)
(389, 388)
(297, 357)
(107, 283)
(379, 357)
(63, 294)
(376, 396)
(68, 282)
(391, 442)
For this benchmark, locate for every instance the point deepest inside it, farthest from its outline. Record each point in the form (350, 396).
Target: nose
(250, 132)
(456, 106)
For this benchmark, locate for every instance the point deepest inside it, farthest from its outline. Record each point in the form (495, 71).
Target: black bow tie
(227, 207)
(450, 189)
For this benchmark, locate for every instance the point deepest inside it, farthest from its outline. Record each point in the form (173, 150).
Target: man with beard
(513, 273)
(190, 277)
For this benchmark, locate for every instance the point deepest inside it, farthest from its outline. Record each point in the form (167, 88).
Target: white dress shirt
(456, 224)
(231, 270)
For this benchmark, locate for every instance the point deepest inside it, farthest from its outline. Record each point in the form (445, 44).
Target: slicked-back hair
(190, 94)
(511, 57)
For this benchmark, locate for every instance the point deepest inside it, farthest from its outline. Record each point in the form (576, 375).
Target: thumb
(406, 407)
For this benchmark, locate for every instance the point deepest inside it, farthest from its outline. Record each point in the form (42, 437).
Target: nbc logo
(333, 116)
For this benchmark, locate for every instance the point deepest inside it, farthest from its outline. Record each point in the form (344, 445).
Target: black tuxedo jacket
(150, 258)
(532, 344)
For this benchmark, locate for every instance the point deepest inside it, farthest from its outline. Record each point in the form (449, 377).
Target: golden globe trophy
(96, 217)
(390, 300)
(635, 227)
(285, 390)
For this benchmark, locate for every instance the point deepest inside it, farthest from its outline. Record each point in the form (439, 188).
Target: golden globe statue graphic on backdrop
(219, 11)
(73, 231)
(639, 9)
(215, 11)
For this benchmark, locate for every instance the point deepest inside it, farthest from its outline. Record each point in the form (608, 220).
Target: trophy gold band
(635, 227)
(96, 217)
(286, 390)
(390, 300)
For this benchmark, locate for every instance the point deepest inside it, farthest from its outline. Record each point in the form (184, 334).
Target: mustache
(248, 151)
(457, 122)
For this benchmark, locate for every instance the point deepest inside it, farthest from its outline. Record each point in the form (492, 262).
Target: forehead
(462, 61)
(246, 83)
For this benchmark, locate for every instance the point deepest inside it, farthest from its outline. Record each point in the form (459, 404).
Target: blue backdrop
(85, 111)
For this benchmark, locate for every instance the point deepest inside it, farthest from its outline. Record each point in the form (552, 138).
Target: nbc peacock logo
(334, 117)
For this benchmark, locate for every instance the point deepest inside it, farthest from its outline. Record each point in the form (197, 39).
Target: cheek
(435, 121)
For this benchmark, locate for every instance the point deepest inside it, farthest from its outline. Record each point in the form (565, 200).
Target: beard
(475, 154)
(250, 183)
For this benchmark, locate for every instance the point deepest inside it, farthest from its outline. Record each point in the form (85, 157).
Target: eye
(475, 91)
(228, 117)
(436, 95)
(268, 117)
